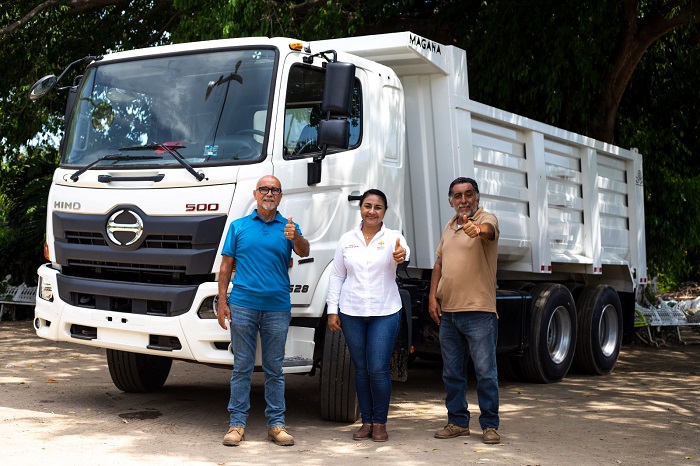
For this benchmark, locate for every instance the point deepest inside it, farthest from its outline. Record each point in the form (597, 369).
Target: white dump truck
(163, 147)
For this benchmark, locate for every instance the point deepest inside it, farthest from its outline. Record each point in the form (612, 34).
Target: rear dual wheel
(600, 330)
(552, 334)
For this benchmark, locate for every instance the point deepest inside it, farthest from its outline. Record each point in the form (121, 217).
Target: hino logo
(124, 227)
(61, 205)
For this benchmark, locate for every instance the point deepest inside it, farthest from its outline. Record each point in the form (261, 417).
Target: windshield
(213, 107)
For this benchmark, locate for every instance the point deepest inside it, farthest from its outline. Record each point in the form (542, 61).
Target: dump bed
(567, 204)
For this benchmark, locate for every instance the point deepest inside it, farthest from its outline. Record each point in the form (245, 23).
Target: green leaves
(548, 60)
(24, 188)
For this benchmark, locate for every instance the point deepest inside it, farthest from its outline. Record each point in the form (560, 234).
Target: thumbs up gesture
(399, 253)
(470, 228)
(290, 230)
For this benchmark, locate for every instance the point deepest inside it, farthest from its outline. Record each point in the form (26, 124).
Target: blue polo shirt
(262, 255)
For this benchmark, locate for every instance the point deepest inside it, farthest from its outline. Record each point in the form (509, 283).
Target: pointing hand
(470, 228)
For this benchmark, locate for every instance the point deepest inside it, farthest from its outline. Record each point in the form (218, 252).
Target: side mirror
(45, 84)
(42, 87)
(336, 107)
(334, 133)
(337, 90)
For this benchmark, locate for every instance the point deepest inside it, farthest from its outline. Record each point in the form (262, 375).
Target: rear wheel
(548, 356)
(600, 330)
(137, 373)
(575, 289)
(338, 394)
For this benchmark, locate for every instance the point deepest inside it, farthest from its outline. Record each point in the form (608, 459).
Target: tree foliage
(42, 38)
(658, 114)
(623, 71)
(23, 188)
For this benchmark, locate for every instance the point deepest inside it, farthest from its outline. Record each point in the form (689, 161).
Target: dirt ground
(58, 406)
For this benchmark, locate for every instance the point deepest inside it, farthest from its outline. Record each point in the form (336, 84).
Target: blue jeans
(370, 342)
(465, 334)
(272, 326)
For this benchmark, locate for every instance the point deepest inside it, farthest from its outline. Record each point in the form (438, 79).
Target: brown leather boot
(363, 432)
(379, 433)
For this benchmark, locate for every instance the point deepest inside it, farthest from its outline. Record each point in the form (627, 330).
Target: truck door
(323, 211)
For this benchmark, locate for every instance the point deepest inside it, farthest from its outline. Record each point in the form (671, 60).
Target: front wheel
(600, 330)
(338, 395)
(137, 373)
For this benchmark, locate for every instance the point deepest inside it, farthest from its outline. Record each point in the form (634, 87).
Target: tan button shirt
(468, 281)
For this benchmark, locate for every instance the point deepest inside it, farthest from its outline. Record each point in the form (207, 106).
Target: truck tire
(600, 330)
(548, 355)
(337, 383)
(137, 373)
(575, 289)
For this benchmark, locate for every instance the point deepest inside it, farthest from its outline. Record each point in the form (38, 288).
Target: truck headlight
(45, 290)
(207, 310)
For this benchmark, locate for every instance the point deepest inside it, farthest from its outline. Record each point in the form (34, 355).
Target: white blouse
(363, 276)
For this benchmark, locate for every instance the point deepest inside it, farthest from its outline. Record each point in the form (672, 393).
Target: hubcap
(608, 329)
(559, 335)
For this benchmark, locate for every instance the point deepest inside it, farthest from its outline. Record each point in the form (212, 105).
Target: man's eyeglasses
(267, 189)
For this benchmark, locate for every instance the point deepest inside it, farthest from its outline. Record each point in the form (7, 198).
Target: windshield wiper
(116, 157)
(172, 150)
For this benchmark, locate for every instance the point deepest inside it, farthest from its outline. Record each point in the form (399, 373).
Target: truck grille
(152, 241)
(156, 275)
(124, 266)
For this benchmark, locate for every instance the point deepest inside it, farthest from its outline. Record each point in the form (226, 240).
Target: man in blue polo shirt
(260, 246)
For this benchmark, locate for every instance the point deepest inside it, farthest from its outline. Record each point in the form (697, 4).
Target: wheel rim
(559, 335)
(608, 329)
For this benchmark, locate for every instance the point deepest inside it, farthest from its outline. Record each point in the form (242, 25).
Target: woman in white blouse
(363, 301)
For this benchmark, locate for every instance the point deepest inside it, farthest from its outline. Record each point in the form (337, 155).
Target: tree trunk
(635, 38)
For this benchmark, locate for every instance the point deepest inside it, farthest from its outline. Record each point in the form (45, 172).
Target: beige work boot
(452, 431)
(234, 436)
(491, 436)
(280, 436)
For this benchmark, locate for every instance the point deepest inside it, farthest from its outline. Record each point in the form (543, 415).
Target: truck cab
(162, 150)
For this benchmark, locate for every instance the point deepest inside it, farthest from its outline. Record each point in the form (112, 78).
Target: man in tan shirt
(463, 303)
